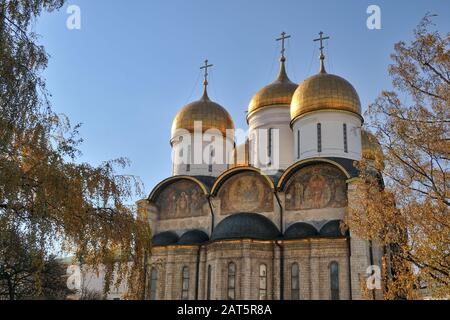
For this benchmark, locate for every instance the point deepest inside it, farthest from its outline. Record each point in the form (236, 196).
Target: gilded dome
(371, 148)
(324, 92)
(211, 114)
(278, 92)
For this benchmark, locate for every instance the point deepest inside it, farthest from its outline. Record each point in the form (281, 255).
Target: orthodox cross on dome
(322, 56)
(205, 68)
(283, 37)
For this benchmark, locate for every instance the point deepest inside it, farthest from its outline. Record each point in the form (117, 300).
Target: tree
(44, 192)
(411, 123)
(25, 274)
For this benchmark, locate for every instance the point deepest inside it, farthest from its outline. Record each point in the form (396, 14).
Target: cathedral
(263, 219)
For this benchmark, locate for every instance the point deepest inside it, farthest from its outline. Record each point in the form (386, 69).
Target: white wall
(194, 162)
(332, 135)
(275, 117)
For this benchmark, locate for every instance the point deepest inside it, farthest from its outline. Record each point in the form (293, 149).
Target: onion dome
(300, 230)
(371, 148)
(165, 238)
(245, 226)
(278, 92)
(211, 114)
(193, 237)
(324, 91)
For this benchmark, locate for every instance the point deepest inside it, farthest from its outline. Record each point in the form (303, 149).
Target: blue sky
(135, 63)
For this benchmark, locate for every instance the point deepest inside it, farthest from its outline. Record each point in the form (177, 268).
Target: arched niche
(245, 191)
(180, 198)
(316, 186)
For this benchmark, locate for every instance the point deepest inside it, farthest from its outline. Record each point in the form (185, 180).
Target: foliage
(44, 192)
(412, 125)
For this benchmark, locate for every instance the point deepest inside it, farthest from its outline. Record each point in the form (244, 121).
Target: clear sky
(135, 63)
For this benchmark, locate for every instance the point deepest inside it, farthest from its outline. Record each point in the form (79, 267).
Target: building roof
(193, 237)
(245, 225)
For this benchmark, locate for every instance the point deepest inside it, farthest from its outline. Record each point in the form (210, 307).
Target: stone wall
(312, 255)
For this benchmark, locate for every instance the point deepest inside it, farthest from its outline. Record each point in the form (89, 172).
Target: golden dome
(211, 114)
(371, 148)
(278, 92)
(324, 92)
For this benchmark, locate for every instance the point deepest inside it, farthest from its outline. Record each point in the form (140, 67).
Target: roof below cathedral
(165, 238)
(193, 237)
(245, 225)
(300, 230)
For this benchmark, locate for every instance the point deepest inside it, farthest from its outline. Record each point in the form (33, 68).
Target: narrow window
(188, 165)
(262, 282)
(153, 283)
(211, 155)
(334, 280)
(231, 281)
(208, 289)
(319, 137)
(269, 145)
(185, 284)
(298, 144)
(295, 282)
(345, 138)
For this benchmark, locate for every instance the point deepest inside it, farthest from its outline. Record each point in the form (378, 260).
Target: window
(185, 283)
(334, 280)
(269, 145)
(319, 137)
(263, 282)
(188, 165)
(211, 155)
(209, 282)
(231, 281)
(153, 283)
(344, 127)
(295, 282)
(298, 144)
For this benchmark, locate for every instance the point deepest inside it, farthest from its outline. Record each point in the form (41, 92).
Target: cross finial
(283, 37)
(322, 56)
(321, 38)
(205, 67)
(205, 82)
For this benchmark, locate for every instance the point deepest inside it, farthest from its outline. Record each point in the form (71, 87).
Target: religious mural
(182, 199)
(315, 187)
(246, 192)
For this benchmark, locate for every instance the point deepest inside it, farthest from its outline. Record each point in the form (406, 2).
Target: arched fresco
(245, 192)
(181, 199)
(316, 186)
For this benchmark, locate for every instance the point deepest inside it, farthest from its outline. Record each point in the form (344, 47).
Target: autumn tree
(27, 273)
(45, 192)
(409, 215)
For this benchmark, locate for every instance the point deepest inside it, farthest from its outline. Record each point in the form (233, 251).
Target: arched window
(188, 164)
(298, 144)
(231, 281)
(295, 282)
(262, 282)
(319, 137)
(269, 145)
(344, 128)
(153, 283)
(185, 283)
(334, 280)
(208, 284)
(211, 156)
